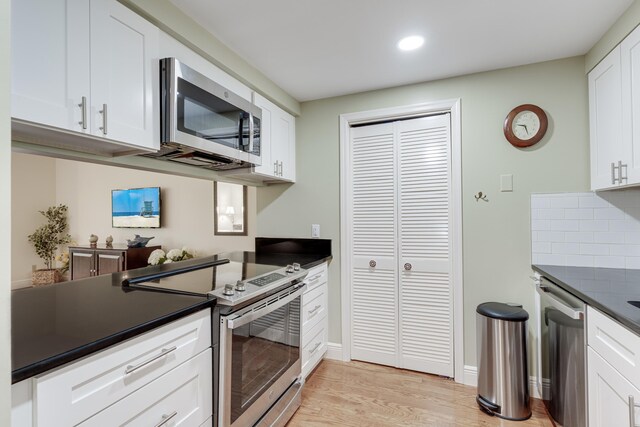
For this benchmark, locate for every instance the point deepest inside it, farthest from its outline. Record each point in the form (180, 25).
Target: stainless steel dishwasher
(562, 354)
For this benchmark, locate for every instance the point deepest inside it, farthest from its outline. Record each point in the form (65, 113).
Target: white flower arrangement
(160, 257)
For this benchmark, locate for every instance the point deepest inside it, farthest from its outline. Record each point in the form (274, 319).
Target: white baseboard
(470, 377)
(18, 284)
(334, 351)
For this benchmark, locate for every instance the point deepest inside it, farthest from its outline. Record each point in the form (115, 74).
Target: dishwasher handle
(558, 304)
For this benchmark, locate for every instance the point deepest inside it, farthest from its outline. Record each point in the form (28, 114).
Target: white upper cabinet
(124, 75)
(50, 62)
(277, 146)
(70, 58)
(614, 117)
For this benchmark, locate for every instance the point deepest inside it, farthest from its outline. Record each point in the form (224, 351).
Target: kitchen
(496, 242)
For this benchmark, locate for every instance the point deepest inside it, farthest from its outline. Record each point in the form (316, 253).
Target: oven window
(206, 116)
(262, 351)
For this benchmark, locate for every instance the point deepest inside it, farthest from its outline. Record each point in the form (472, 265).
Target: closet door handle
(408, 266)
(372, 263)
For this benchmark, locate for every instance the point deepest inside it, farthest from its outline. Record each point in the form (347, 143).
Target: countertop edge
(629, 324)
(57, 361)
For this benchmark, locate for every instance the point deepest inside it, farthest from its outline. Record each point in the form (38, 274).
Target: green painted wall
(5, 215)
(172, 20)
(496, 234)
(618, 31)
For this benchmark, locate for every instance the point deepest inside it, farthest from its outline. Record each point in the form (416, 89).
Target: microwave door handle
(250, 316)
(251, 127)
(240, 132)
(558, 304)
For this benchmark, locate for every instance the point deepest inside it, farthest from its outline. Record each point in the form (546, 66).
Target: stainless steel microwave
(204, 124)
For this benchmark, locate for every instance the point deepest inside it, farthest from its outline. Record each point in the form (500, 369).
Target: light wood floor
(363, 394)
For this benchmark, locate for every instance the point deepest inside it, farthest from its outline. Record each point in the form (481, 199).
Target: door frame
(451, 106)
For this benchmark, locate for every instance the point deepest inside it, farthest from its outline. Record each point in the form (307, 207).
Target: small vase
(46, 277)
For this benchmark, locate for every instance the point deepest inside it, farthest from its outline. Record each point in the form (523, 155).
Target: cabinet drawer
(185, 394)
(314, 307)
(314, 347)
(316, 276)
(616, 344)
(81, 389)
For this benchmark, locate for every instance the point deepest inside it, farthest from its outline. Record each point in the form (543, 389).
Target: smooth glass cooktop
(200, 282)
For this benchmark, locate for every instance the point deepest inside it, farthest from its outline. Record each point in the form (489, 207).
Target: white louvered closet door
(425, 291)
(374, 283)
(401, 293)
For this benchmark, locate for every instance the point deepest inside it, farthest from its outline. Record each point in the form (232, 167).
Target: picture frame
(229, 209)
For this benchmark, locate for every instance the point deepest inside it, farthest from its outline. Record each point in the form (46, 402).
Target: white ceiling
(322, 48)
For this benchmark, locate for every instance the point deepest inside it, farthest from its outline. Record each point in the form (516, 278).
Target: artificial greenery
(48, 237)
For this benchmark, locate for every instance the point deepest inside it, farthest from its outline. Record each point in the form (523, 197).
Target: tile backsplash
(586, 229)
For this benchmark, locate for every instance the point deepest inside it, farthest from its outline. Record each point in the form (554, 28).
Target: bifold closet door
(424, 198)
(374, 283)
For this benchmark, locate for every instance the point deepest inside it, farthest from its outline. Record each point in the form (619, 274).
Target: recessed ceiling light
(411, 43)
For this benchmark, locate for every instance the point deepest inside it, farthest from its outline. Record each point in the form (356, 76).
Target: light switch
(506, 183)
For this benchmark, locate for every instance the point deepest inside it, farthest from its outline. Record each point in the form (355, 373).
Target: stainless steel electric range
(257, 325)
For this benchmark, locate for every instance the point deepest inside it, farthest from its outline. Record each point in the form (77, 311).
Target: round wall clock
(525, 125)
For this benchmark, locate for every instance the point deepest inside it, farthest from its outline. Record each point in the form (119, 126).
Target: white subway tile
(539, 224)
(541, 247)
(551, 236)
(565, 248)
(580, 260)
(564, 225)
(579, 236)
(534, 236)
(582, 213)
(551, 213)
(540, 201)
(593, 249)
(618, 225)
(632, 262)
(608, 213)
(564, 202)
(625, 250)
(609, 261)
(594, 225)
(592, 202)
(609, 237)
(551, 259)
(632, 237)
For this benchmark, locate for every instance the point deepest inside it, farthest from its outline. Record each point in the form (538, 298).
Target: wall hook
(481, 196)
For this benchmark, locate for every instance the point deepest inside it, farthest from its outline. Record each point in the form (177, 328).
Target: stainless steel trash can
(503, 375)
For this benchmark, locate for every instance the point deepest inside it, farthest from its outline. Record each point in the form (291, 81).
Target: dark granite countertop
(607, 289)
(56, 324)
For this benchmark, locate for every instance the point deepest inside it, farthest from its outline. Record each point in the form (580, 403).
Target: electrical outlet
(315, 231)
(506, 183)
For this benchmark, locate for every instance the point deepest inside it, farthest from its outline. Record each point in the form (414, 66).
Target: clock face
(525, 125)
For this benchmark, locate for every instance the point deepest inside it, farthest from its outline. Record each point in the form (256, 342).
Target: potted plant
(46, 240)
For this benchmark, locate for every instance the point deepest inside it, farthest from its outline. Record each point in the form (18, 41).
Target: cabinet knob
(372, 263)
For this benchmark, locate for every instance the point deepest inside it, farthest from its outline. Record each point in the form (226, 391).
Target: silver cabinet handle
(315, 310)
(131, 368)
(104, 119)
(275, 168)
(372, 263)
(83, 107)
(166, 418)
(632, 412)
(613, 173)
(620, 166)
(280, 169)
(408, 266)
(315, 348)
(314, 278)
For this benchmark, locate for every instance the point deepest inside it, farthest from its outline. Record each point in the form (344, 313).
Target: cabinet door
(424, 200)
(267, 167)
(50, 62)
(109, 262)
(630, 66)
(282, 130)
(124, 75)
(289, 172)
(82, 264)
(609, 395)
(605, 120)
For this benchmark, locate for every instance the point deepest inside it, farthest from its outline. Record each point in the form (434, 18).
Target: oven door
(561, 354)
(259, 356)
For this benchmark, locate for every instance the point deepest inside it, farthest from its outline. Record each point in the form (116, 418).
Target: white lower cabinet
(314, 318)
(166, 370)
(613, 372)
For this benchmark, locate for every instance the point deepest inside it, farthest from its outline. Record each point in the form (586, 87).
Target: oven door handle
(558, 304)
(250, 316)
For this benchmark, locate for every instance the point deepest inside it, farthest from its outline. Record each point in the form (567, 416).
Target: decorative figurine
(109, 241)
(93, 240)
(138, 242)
